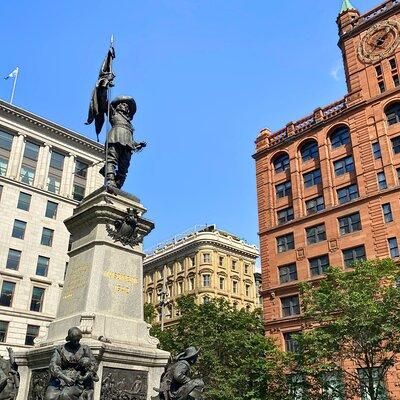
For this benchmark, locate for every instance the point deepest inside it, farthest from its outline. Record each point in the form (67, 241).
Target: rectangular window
(353, 254)
(206, 257)
(287, 273)
(27, 175)
(315, 205)
(246, 268)
(19, 229)
(235, 286)
(393, 64)
(347, 194)
(387, 212)
(7, 293)
(193, 261)
(376, 381)
(53, 184)
(24, 201)
(221, 261)
(396, 80)
(78, 192)
(37, 299)
(344, 165)
(206, 280)
(350, 223)
(57, 160)
(285, 215)
(6, 140)
(318, 265)
(47, 237)
(393, 247)
(312, 178)
(376, 148)
(32, 332)
(191, 283)
(290, 306)
(396, 145)
(378, 70)
(221, 283)
(3, 166)
(81, 169)
(234, 264)
(382, 87)
(283, 189)
(381, 180)
(51, 210)
(291, 344)
(3, 331)
(42, 266)
(316, 234)
(31, 151)
(13, 259)
(285, 243)
(248, 290)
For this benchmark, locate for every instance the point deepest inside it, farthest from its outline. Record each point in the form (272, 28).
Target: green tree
(150, 313)
(352, 331)
(237, 361)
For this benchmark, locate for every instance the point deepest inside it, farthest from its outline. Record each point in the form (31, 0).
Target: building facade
(207, 263)
(329, 185)
(45, 170)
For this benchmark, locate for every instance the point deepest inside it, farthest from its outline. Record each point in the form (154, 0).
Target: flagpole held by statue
(119, 144)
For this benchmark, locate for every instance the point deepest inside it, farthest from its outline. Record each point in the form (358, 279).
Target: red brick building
(329, 185)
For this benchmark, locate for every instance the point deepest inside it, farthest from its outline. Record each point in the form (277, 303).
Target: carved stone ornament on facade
(125, 230)
(379, 41)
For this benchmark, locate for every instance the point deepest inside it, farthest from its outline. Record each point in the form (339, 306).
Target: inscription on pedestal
(39, 381)
(76, 280)
(124, 384)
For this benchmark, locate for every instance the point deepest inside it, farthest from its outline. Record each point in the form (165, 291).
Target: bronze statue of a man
(176, 383)
(120, 144)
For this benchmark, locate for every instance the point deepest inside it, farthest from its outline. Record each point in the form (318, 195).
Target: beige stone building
(205, 262)
(45, 170)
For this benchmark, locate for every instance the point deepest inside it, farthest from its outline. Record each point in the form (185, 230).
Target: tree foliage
(237, 361)
(353, 324)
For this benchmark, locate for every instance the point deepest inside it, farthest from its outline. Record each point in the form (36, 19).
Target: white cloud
(336, 72)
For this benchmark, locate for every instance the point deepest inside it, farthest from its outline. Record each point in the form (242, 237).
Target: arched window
(393, 113)
(206, 300)
(340, 137)
(309, 150)
(281, 163)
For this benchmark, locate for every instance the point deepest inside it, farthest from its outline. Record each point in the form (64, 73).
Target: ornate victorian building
(329, 185)
(45, 170)
(207, 263)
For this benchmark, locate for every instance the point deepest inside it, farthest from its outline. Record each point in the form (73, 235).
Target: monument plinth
(102, 295)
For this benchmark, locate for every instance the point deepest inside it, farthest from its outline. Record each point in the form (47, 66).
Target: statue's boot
(120, 180)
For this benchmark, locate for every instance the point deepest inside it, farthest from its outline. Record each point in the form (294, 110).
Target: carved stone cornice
(48, 126)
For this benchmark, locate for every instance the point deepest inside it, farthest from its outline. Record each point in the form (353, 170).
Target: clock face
(379, 41)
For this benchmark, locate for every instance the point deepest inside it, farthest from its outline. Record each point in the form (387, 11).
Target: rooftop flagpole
(14, 75)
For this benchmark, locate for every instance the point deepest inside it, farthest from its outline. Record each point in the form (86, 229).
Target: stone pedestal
(102, 295)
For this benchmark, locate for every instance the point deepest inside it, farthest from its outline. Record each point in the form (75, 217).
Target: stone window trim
(343, 165)
(392, 112)
(32, 332)
(290, 306)
(353, 254)
(283, 189)
(291, 345)
(318, 265)
(19, 229)
(24, 201)
(312, 178)
(314, 205)
(13, 259)
(287, 273)
(387, 213)
(348, 193)
(4, 325)
(393, 247)
(285, 215)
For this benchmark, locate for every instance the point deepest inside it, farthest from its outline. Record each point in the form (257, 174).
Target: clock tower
(370, 44)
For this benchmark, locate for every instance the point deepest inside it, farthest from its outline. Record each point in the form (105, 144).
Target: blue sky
(207, 75)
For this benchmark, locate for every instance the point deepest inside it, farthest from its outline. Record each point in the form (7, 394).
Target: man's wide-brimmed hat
(71, 331)
(189, 353)
(128, 100)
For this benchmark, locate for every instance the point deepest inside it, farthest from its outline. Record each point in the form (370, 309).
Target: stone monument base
(102, 295)
(127, 371)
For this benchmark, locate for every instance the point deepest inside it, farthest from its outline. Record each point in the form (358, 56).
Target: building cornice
(175, 251)
(48, 126)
